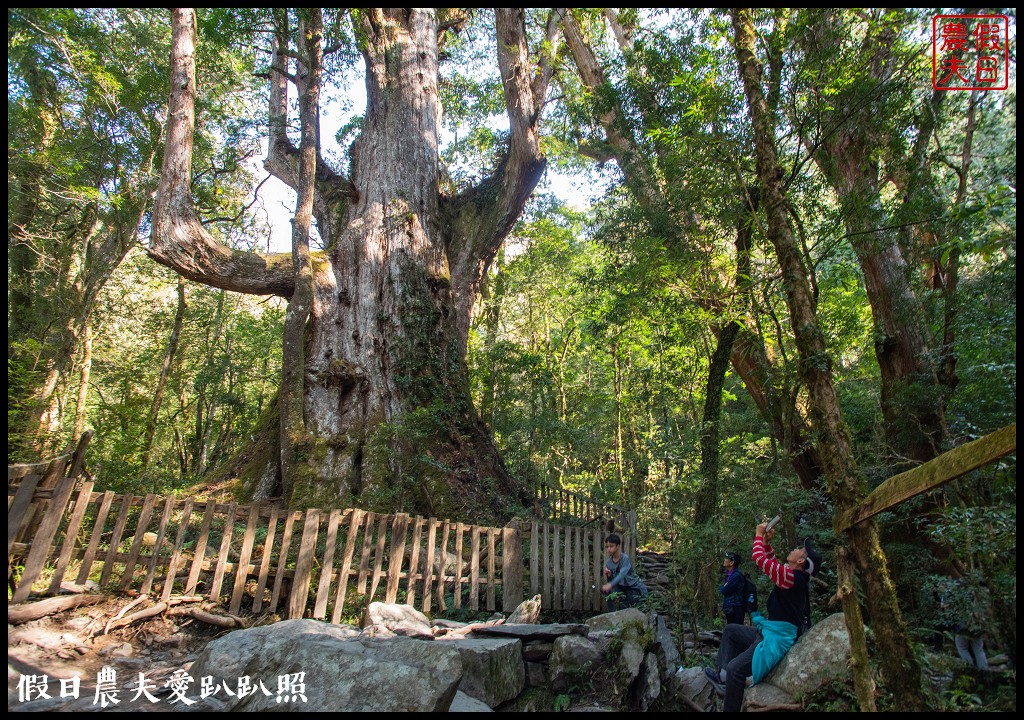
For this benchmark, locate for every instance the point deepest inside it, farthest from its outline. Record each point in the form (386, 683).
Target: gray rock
(571, 656)
(822, 654)
(528, 633)
(465, 703)
(692, 684)
(340, 672)
(492, 668)
(764, 694)
(619, 618)
(390, 618)
(537, 651)
(665, 648)
(648, 684)
(536, 674)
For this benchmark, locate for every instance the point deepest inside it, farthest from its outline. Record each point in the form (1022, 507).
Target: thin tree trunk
(293, 362)
(83, 383)
(901, 669)
(161, 383)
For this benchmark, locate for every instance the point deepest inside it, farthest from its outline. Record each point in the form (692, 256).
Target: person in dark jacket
(788, 606)
(732, 589)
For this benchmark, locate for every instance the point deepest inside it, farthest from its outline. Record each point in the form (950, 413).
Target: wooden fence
(325, 564)
(572, 508)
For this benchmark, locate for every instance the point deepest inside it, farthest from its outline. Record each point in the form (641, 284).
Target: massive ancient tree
(375, 397)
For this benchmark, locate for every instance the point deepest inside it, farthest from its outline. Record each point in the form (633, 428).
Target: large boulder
(492, 668)
(465, 703)
(648, 684)
(692, 684)
(765, 695)
(340, 672)
(665, 649)
(571, 657)
(618, 619)
(821, 655)
(623, 636)
(389, 619)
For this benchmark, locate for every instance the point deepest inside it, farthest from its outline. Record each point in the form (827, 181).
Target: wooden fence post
(511, 569)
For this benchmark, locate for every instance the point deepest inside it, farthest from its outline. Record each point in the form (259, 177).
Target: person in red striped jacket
(752, 651)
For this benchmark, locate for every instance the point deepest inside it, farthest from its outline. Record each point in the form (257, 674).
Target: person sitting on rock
(622, 578)
(753, 651)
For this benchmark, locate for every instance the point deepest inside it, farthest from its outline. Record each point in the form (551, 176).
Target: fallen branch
(140, 615)
(23, 612)
(121, 613)
(476, 626)
(775, 708)
(225, 621)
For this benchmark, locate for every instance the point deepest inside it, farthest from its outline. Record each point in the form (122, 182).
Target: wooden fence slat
(378, 557)
(396, 555)
(364, 562)
(37, 510)
(282, 559)
(165, 518)
(70, 535)
(580, 576)
(414, 563)
(40, 548)
(511, 569)
(94, 540)
(547, 599)
(140, 531)
(115, 537)
(343, 570)
(323, 586)
(430, 564)
(459, 530)
(200, 553)
(556, 594)
(268, 550)
(567, 578)
(598, 570)
(304, 565)
(492, 536)
(474, 572)
(242, 572)
(534, 557)
(442, 556)
(16, 512)
(179, 541)
(222, 556)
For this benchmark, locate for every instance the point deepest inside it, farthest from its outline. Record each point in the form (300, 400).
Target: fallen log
(121, 613)
(225, 621)
(23, 612)
(140, 615)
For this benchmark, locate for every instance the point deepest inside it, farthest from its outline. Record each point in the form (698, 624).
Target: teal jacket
(778, 637)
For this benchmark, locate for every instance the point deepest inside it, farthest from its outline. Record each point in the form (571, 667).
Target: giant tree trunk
(387, 417)
(845, 486)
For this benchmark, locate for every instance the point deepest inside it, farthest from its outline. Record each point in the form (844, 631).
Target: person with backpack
(732, 589)
(753, 651)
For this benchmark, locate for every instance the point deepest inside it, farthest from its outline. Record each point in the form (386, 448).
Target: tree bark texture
(901, 670)
(386, 408)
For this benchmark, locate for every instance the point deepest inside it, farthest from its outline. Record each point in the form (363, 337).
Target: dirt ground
(73, 643)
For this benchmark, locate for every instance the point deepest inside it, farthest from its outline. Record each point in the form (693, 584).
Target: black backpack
(749, 595)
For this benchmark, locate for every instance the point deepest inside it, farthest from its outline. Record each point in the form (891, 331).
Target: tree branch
(178, 239)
